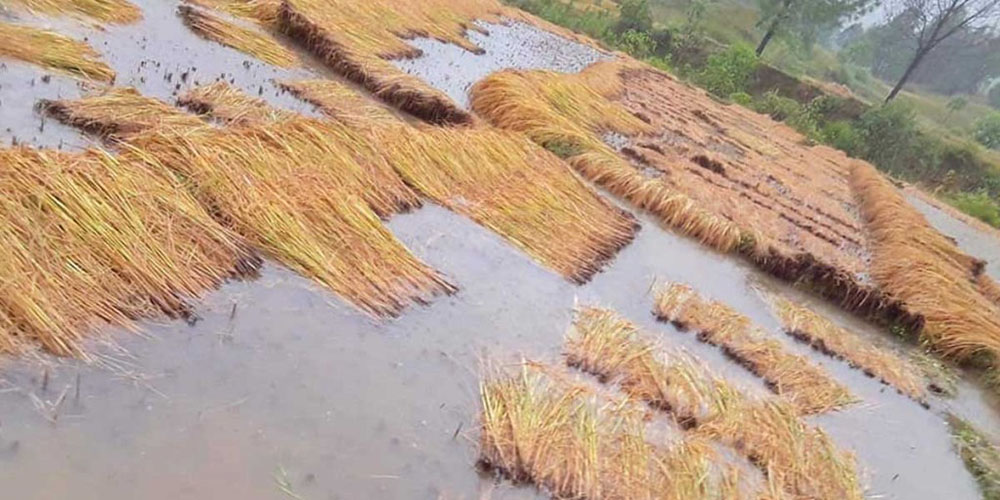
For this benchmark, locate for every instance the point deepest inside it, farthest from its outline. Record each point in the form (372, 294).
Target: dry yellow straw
(51, 50)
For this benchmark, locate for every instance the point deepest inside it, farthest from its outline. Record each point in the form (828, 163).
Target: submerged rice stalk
(108, 11)
(95, 238)
(824, 336)
(51, 50)
(567, 440)
(798, 460)
(804, 383)
(257, 44)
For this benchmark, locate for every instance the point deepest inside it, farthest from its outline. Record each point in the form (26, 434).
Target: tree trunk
(906, 74)
(767, 38)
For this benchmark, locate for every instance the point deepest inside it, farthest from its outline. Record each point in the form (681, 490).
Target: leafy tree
(804, 20)
(928, 23)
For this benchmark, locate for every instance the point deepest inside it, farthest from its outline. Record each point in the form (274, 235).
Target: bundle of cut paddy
(340, 102)
(51, 50)
(119, 112)
(505, 182)
(915, 263)
(791, 375)
(273, 186)
(92, 238)
(824, 336)
(799, 460)
(230, 105)
(108, 11)
(260, 45)
(569, 441)
(568, 114)
(263, 12)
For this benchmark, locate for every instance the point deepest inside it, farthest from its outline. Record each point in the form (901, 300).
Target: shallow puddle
(970, 239)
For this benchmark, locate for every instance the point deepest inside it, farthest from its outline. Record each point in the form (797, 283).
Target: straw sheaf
(230, 105)
(916, 264)
(92, 238)
(802, 382)
(340, 102)
(798, 461)
(118, 113)
(106, 11)
(874, 361)
(51, 50)
(257, 44)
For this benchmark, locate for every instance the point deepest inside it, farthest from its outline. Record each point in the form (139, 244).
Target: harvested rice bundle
(565, 439)
(263, 12)
(916, 264)
(805, 384)
(92, 237)
(568, 114)
(508, 184)
(230, 105)
(355, 39)
(824, 336)
(257, 44)
(51, 50)
(108, 11)
(340, 102)
(119, 112)
(799, 461)
(298, 208)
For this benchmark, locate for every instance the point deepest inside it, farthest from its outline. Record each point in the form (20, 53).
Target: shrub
(988, 131)
(742, 98)
(634, 15)
(637, 44)
(841, 135)
(729, 71)
(978, 205)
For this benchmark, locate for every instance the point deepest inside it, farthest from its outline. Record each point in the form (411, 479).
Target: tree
(804, 20)
(934, 21)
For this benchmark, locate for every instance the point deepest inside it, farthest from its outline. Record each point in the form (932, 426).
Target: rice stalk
(802, 382)
(51, 50)
(118, 113)
(820, 333)
(915, 263)
(263, 12)
(92, 238)
(106, 11)
(255, 43)
(798, 460)
(574, 444)
(230, 105)
(340, 102)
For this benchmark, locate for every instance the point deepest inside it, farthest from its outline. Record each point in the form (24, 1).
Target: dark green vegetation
(981, 456)
(921, 138)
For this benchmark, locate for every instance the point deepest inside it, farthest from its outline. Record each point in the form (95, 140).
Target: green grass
(981, 457)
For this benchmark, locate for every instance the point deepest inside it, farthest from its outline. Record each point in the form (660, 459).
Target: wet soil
(282, 385)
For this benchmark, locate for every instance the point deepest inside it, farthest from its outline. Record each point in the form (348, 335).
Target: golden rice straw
(805, 384)
(51, 50)
(989, 288)
(274, 189)
(915, 263)
(118, 113)
(820, 333)
(108, 11)
(569, 441)
(567, 114)
(230, 105)
(93, 238)
(506, 183)
(257, 44)
(799, 460)
(263, 12)
(340, 102)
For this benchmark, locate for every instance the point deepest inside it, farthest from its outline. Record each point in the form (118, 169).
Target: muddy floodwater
(282, 390)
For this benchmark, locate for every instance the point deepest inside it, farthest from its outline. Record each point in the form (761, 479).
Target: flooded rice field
(975, 241)
(281, 389)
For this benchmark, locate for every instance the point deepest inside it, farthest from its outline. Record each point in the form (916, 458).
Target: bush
(988, 131)
(742, 98)
(889, 138)
(634, 15)
(728, 72)
(841, 135)
(784, 109)
(978, 205)
(637, 44)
